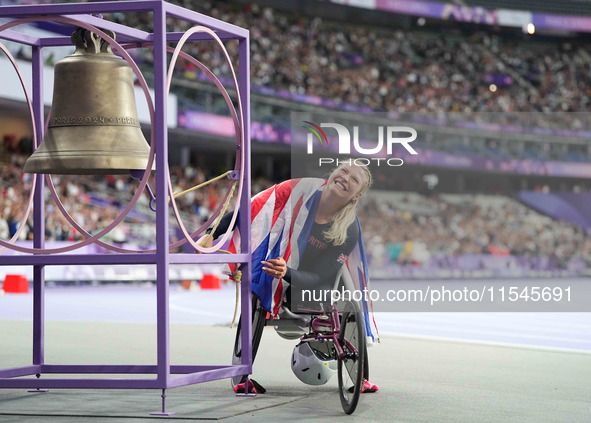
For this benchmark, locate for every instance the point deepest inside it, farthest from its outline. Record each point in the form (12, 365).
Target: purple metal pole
(19, 37)
(79, 8)
(38, 215)
(245, 225)
(161, 140)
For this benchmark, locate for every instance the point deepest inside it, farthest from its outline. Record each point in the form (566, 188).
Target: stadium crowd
(406, 229)
(384, 69)
(75, 194)
(413, 228)
(391, 69)
(95, 201)
(398, 70)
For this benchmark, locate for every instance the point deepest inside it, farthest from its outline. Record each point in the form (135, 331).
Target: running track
(137, 304)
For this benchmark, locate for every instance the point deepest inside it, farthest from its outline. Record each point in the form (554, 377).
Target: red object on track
(16, 284)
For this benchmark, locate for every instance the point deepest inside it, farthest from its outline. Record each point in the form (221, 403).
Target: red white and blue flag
(282, 217)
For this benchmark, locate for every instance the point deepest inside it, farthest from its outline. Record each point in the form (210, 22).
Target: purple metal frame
(164, 371)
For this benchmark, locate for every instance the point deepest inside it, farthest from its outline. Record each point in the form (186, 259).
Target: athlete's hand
(275, 267)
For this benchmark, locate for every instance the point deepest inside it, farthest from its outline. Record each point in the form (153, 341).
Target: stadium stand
(303, 62)
(382, 68)
(402, 70)
(564, 7)
(403, 229)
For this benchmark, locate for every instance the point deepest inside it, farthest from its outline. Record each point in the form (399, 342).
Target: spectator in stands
(4, 231)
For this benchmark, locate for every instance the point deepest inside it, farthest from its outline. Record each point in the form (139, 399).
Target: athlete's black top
(321, 260)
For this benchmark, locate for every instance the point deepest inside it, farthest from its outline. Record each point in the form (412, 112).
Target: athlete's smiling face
(347, 182)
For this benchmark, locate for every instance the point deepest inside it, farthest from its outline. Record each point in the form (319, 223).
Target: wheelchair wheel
(259, 319)
(351, 367)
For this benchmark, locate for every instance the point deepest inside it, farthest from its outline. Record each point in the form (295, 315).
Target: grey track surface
(136, 304)
(420, 380)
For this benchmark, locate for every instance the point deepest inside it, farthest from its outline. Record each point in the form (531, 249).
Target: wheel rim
(351, 366)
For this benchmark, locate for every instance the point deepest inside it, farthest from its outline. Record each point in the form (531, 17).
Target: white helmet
(312, 366)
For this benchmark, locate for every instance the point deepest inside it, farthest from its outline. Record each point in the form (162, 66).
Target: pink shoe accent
(368, 387)
(239, 389)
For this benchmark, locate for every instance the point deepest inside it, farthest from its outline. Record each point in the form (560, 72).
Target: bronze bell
(94, 127)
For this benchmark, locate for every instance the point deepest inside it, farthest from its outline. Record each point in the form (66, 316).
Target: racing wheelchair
(332, 339)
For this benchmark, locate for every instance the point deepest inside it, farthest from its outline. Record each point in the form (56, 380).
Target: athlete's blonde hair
(337, 233)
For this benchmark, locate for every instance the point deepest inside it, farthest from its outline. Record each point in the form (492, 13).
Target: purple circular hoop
(23, 222)
(216, 212)
(239, 160)
(144, 179)
(239, 134)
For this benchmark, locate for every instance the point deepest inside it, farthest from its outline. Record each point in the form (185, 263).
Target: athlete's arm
(223, 226)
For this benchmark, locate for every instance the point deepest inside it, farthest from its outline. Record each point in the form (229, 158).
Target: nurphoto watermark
(387, 138)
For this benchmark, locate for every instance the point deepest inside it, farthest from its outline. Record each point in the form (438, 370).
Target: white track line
(490, 343)
(490, 332)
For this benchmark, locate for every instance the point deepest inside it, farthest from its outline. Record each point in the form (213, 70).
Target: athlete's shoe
(253, 387)
(367, 387)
